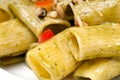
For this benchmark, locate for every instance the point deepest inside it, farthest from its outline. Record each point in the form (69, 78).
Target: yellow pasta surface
(98, 69)
(15, 38)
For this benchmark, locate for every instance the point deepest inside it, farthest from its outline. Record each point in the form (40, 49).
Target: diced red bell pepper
(45, 35)
(47, 4)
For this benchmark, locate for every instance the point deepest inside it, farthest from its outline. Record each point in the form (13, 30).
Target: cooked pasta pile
(57, 38)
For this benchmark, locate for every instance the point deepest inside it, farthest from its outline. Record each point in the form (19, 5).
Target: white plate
(17, 71)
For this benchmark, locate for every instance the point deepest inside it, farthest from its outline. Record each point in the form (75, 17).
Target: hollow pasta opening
(56, 28)
(73, 45)
(38, 68)
(69, 13)
(4, 16)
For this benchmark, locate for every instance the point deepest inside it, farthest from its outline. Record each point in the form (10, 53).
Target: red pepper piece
(48, 4)
(45, 35)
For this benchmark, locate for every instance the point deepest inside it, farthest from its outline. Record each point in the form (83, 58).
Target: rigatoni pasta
(73, 45)
(98, 11)
(5, 13)
(96, 41)
(34, 23)
(15, 38)
(52, 60)
(98, 69)
(73, 48)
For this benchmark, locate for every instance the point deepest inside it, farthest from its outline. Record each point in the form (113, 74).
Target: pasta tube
(58, 57)
(98, 11)
(98, 69)
(15, 38)
(34, 23)
(96, 41)
(5, 13)
(52, 60)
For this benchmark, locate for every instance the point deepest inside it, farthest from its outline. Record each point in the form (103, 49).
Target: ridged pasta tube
(98, 69)
(34, 23)
(96, 41)
(57, 57)
(52, 60)
(98, 11)
(15, 38)
(5, 13)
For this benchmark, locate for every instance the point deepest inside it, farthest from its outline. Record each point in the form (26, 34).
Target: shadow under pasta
(4, 16)
(56, 28)
(82, 78)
